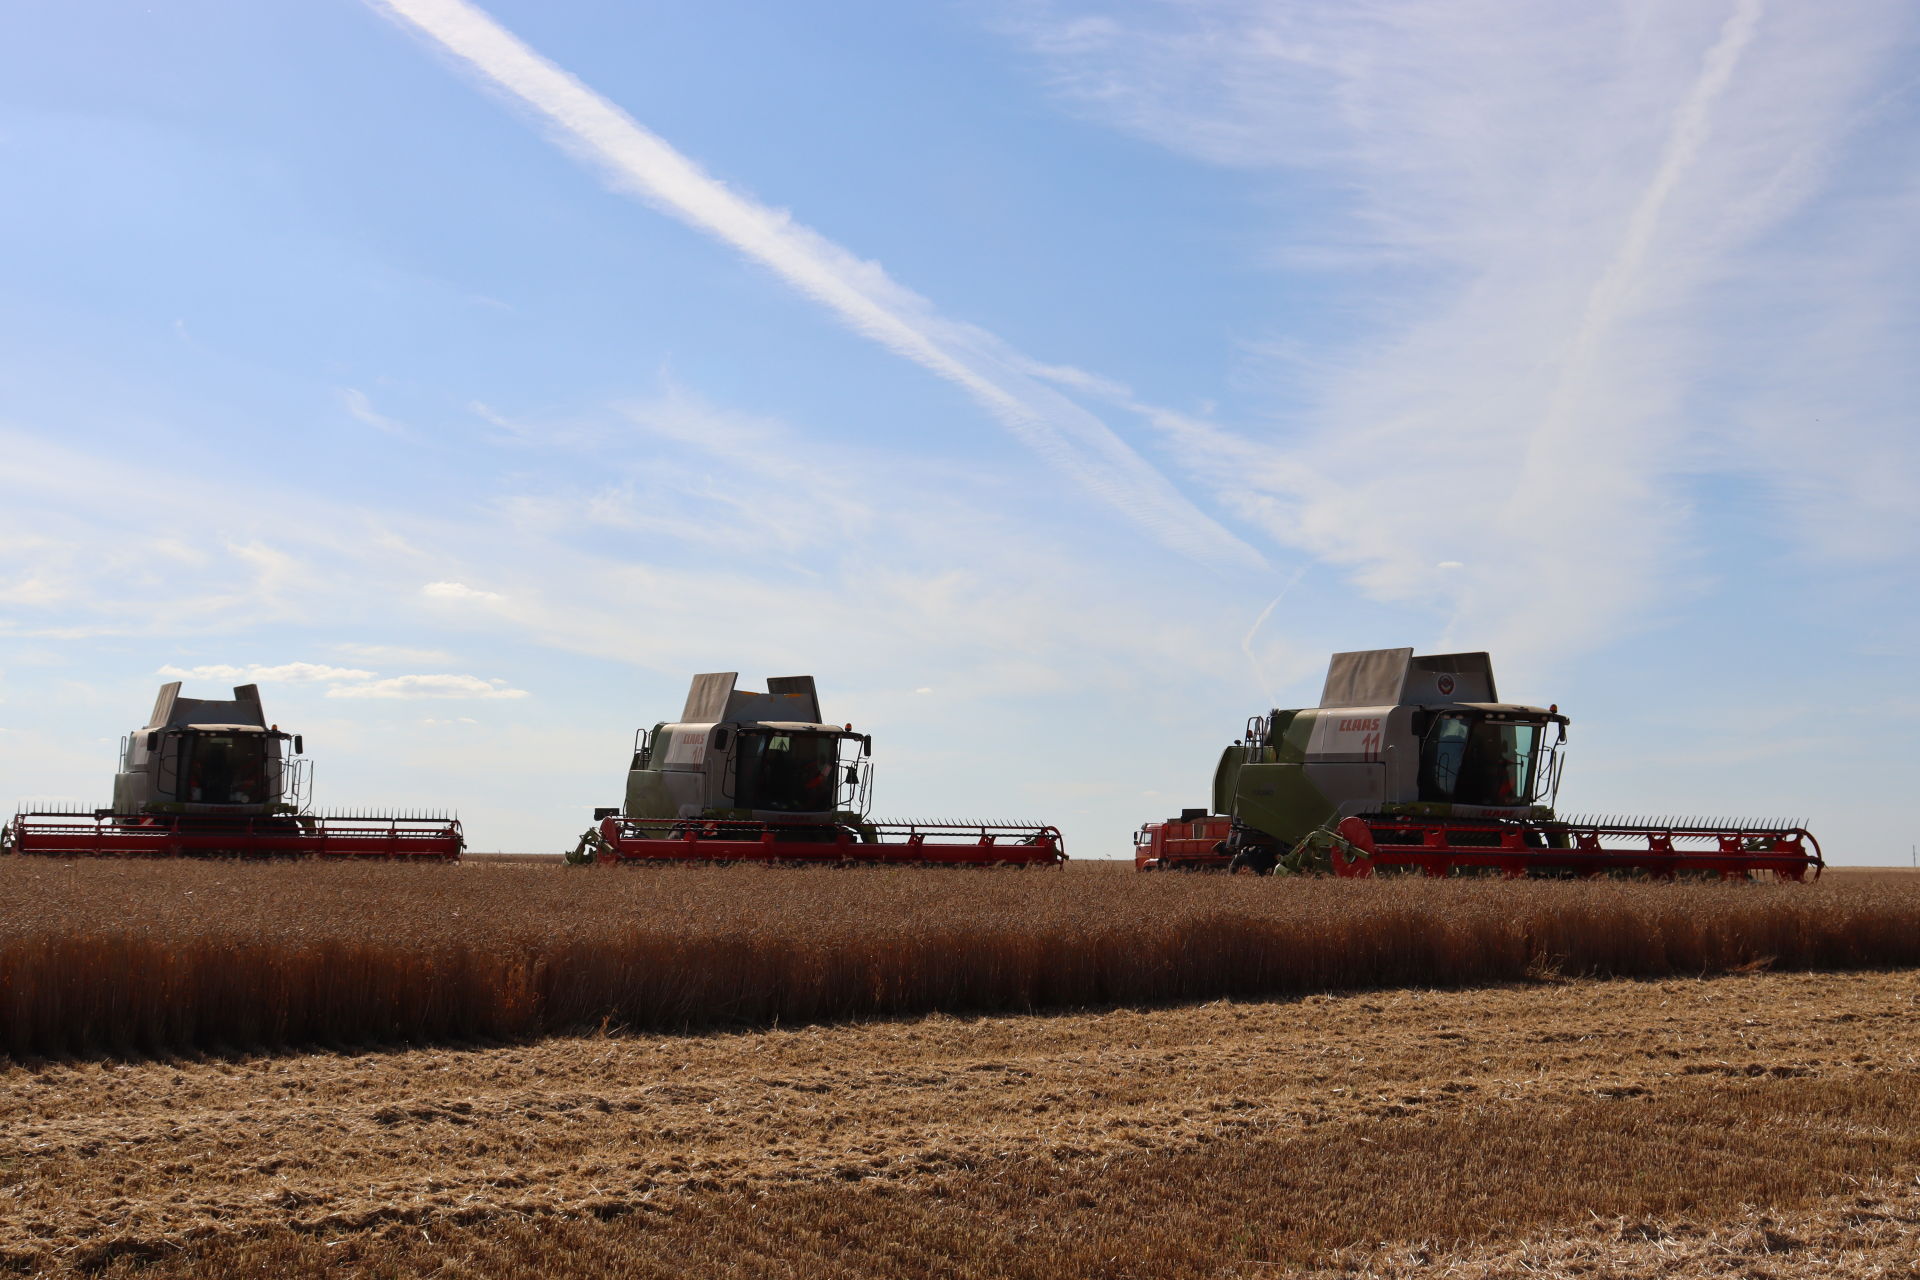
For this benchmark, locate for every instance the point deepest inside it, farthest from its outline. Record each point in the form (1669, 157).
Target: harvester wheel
(1257, 861)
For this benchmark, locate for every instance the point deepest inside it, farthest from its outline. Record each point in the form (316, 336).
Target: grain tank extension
(1414, 763)
(759, 777)
(211, 776)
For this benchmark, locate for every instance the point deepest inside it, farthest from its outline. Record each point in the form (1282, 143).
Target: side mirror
(866, 745)
(153, 741)
(299, 745)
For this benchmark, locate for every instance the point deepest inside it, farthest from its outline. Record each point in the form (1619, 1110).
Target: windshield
(1468, 759)
(787, 772)
(221, 768)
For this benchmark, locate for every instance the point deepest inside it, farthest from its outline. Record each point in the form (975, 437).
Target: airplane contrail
(1612, 291)
(864, 297)
(1246, 642)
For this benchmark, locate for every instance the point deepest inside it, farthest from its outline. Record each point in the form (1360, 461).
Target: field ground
(1753, 1126)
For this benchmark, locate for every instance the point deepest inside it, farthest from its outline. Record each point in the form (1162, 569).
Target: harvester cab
(209, 756)
(745, 776)
(212, 776)
(1426, 735)
(740, 755)
(1414, 763)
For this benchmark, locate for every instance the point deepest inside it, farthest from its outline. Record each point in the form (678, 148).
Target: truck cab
(1194, 841)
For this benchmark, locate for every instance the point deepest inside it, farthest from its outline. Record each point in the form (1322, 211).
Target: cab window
(225, 769)
(786, 772)
(1478, 760)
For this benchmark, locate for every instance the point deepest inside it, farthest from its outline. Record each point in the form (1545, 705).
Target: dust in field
(1173, 1142)
(116, 957)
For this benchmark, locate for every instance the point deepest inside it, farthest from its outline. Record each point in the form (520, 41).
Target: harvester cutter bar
(978, 844)
(1579, 847)
(190, 835)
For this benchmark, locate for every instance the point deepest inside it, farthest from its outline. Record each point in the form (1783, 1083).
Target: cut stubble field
(1528, 1121)
(1757, 1125)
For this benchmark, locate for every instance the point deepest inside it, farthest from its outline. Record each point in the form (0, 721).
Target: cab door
(1443, 757)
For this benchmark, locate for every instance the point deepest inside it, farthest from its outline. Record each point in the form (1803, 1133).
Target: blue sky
(1059, 383)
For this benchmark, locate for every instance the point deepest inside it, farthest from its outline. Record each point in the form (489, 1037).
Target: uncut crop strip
(139, 958)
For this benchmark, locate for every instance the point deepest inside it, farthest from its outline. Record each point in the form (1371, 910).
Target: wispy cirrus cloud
(284, 673)
(460, 592)
(427, 686)
(393, 652)
(1590, 248)
(718, 479)
(1029, 585)
(350, 682)
(361, 409)
(858, 292)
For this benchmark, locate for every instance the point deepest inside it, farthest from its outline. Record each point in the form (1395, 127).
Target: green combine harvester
(211, 777)
(1414, 764)
(747, 776)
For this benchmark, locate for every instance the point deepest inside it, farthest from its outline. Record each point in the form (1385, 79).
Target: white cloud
(428, 686)
(1577, 241)
(351, 682)
(81, 522)
(361, 409)
(31, 590)
(715, 478)
(1028, 583)
(460, 591)
(394, 653)
(285, 673)
(859, 292)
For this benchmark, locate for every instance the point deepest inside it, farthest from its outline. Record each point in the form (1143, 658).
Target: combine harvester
(1414, 764)
(757, 777)
(212, 777)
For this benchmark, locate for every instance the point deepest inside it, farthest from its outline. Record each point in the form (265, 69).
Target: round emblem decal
(1446, 686)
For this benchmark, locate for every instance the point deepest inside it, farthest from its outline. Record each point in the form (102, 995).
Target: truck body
(1194, 841)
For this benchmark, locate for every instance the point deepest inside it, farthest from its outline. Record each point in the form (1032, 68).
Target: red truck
(1194, 841)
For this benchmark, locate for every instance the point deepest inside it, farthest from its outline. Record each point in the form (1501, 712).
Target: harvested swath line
(1271, 1202)
(140, 958)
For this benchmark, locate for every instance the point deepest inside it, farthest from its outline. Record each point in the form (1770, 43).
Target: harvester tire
(1258, 861)
(1550, 835)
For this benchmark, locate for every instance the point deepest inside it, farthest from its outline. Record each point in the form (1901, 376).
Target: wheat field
(112, 957)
